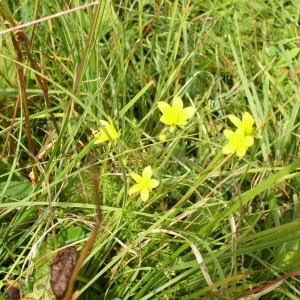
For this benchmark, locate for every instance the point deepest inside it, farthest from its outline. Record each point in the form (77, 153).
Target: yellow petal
(177, 103)
(163, 106)
(164, 119)
(189, 111)
(228, 148)
(184, 115)
(111, 131)
(248, 119)
(100, 137)
(144, 194)
(228, 133)
(168, 113)
(249, 140)
(105, 133)
(103, 123)
(135, 189)
(247, 123)
(241, 151)
(235, 120)
(137, 178)
(147, 173)
(153, 184)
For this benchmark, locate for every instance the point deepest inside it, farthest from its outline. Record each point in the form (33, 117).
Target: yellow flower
(144, 184)
(175, 114)
(107, 132)
(246, 124)
(238, 142)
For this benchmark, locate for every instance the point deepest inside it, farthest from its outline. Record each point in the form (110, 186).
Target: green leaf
(69, 235)
(42, 288)
(283, 62)
(18, 189)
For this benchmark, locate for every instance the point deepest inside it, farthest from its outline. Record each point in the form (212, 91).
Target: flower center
(145, 183)
(174, 114)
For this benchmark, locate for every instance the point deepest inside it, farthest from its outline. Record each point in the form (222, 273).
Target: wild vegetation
(160, 139)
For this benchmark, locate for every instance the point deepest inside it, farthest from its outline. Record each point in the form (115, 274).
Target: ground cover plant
(150, 149)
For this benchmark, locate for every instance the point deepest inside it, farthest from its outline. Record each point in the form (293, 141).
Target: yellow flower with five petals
(107, 132)
(238, 142)
(144, 184)
(175, 114)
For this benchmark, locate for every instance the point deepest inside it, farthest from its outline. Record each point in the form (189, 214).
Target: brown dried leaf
(13, 290)
(62, 267)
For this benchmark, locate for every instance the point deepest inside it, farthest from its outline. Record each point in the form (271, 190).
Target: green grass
(217, 227)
